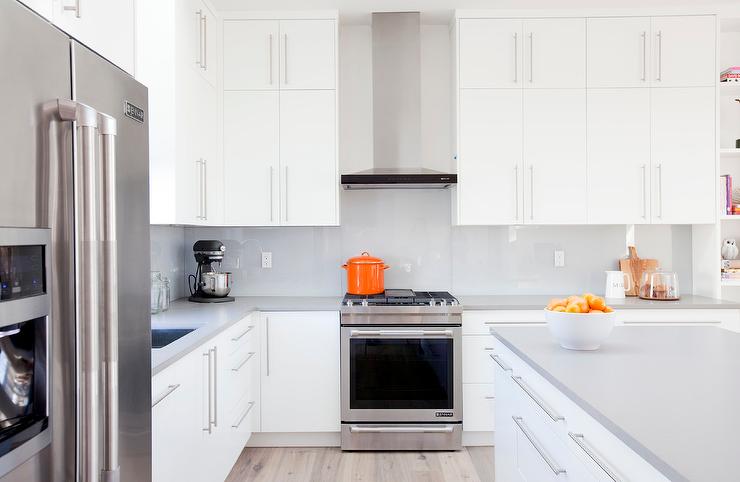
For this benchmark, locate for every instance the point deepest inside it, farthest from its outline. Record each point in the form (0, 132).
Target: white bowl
(580, 331)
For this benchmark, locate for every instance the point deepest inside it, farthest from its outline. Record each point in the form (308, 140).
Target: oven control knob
(431, 302)
(364, 302)
(349, 303)
(453, 302)
(443, 303)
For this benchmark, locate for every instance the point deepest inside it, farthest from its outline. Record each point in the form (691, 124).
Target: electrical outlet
(559, 258)
(266, 259)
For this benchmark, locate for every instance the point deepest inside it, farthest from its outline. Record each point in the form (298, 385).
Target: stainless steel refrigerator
(75, 342)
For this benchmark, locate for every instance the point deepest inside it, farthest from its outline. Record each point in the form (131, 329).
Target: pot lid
(365, 258)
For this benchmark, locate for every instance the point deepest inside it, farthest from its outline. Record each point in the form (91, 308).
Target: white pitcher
(617, 283)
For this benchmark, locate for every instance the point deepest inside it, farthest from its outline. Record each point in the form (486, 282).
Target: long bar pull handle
(269, 59)
(267, 345)
(580, 440)
(74, 8)
(285, 186)
(209, 390)
(199, 60)
(659, 78)
(170, 389)
(397, 429)
(644, 191)
(244, 362)
(660, 191)
(239, 337)
(215, 386)
(107, 127)
(501, 363)
(531, 55)
(643, 35)
(538, 400)
(516, 193)
(205, 42)
(205, 189)
(531, 192)
(271, 193)
(391, 333)
(516, 57)
(244, 415)
(285, 58)
(556, 469)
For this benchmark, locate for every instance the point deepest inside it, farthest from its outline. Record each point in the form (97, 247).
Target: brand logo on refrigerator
(133, 112)
(444, 414)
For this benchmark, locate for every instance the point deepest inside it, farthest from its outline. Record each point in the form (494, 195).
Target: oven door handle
(395, 429)
(406, 333)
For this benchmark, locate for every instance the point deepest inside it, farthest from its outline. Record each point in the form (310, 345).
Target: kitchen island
(653, 403)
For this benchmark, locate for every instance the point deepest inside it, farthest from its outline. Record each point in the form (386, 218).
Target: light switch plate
(266, 259)
(559, 258)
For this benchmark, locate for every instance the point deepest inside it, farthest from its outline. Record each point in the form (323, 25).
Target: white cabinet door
(684, 50)
(618, 52)
(251, 54)
(683, 155)
(477, 363)
(176, 429)
(300, 372)
(106, 26)
(490, 173)
(308, 157)
(555, 156)
(209, 36)
(490, 53)
(42, 7)
(213, 175)
(618, 152)
(308, 54)
(504, 433)
(478, 400)
(555, 52)
(251, 152)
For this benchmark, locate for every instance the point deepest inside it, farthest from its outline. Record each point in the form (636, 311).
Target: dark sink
(163, 337)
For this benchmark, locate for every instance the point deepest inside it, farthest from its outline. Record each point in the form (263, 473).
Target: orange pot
(365, 275)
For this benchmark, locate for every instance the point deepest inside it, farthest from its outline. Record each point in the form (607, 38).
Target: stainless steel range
(401, 371)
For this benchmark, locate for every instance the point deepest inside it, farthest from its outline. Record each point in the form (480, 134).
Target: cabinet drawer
(478, 400)
(477, 363)
(679, 317)
(242, 335)
(481, 322)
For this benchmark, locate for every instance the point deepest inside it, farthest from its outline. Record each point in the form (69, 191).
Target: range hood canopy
(396, 49)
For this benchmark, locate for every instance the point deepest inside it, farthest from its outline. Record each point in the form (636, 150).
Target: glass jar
(659, 285)
(165, 300)
(155, 279)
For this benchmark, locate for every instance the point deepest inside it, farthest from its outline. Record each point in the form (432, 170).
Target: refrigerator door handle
(107, 127)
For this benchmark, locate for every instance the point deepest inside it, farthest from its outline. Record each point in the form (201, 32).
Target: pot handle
(385, 266)
(344, 266)
(364, 253)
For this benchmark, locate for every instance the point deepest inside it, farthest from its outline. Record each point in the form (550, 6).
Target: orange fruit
(573, 308)
(595, 311)
(588, 297)
(571, 299)
(597, 303)
(559, 308)
(608, 309)
(556, 302)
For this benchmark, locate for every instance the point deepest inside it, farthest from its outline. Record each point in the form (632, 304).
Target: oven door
(401, 374)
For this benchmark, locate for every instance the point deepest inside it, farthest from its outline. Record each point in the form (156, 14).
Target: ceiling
(440, 11)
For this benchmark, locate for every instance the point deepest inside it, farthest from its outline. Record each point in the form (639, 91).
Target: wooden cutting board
(634, 266)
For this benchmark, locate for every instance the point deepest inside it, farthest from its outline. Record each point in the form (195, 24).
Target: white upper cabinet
(309, 184)
(251, 57)
(251, 151)
(491, 53)
(683, 155)
(618, 52)
(308, 54)
(490, 171)
(555, 52)
(106, 26)
(555, 156)
(618, 145)
(199, 37)
(684, 51)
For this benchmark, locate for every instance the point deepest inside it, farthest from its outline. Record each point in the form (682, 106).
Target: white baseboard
(294, 439)
(477, 439)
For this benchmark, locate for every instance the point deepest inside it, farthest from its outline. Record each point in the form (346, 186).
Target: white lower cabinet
(300, 372)
(478, 400)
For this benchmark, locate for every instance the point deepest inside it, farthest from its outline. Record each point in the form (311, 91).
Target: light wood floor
(329, 464)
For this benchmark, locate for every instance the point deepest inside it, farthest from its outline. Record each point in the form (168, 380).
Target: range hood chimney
(397, 109)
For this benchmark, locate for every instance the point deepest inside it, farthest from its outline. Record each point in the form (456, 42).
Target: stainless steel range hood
(397, 109)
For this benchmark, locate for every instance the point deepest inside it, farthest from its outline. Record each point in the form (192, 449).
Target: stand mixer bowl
(216, 284)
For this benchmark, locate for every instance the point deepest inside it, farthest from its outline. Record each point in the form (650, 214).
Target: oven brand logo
(443, 414)
(133, 112)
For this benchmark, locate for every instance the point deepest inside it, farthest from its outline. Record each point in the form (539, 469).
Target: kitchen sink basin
(163, 337)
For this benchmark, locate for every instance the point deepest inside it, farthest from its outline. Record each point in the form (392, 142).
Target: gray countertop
(209, 319)
(537, 302)
(669, 393)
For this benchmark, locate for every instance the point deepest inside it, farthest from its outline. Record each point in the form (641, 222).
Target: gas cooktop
(402, 298)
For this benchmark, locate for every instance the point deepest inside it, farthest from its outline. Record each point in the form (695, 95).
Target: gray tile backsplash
(411, 231)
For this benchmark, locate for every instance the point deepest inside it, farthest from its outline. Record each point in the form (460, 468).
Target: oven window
(401, 373)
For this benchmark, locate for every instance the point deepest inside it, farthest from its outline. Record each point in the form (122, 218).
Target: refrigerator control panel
(22, 271)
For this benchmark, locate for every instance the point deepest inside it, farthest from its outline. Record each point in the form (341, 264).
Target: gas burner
(401, 298)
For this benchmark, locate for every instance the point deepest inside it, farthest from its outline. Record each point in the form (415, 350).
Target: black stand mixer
(209, 285)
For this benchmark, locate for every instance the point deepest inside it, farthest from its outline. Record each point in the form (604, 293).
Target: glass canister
(156, 292)
(659, 285)
(164, 304)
